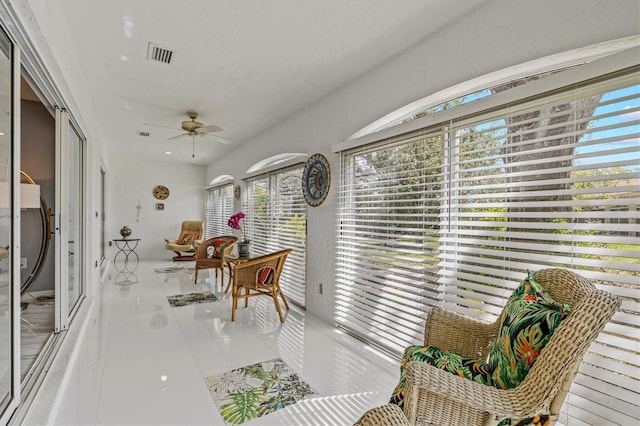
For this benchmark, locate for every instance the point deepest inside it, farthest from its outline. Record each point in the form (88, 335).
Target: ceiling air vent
(143, 134)
(160, 54)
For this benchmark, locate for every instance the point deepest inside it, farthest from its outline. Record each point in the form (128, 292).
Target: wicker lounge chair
(436, 397)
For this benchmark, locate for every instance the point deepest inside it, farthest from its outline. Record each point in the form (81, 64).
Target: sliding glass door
(9, 221)
(69, 215)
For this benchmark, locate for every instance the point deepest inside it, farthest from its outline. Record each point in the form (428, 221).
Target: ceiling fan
(193, 128)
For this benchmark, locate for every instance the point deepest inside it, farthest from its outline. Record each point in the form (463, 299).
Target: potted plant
(238, 221)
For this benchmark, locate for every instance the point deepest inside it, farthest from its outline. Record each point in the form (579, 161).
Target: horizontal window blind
(277, 220)
(454, 215)
(386, 264)
(217, 211)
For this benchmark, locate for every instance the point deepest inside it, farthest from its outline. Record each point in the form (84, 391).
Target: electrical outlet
(321, 288)
(23, 263)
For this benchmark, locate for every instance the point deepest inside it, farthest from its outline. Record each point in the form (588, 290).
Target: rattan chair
(214, 261)
(437, 397)
(259, 276)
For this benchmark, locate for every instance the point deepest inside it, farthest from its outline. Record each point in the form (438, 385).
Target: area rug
(191, 298)
(170, 269)
(256, 390)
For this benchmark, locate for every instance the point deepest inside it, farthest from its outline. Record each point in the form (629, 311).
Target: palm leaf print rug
(256, 390)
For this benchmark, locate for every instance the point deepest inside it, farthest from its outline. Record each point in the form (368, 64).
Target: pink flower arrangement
(236, 221)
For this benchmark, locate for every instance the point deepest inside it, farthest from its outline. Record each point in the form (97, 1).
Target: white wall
(499, 34)
(133, 180)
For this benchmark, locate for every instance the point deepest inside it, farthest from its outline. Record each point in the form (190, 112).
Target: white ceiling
(244, 65)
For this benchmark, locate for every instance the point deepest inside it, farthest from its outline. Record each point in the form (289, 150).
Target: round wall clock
(316, 178)
(161, 192)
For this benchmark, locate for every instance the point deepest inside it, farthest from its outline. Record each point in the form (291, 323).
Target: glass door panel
(68, 219)
(9, 308)
(103, 209)
(74, 219)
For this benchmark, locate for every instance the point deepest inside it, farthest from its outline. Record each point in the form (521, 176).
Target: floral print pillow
(219, 246)
(467, 367)
(188, 238)
(532, 317)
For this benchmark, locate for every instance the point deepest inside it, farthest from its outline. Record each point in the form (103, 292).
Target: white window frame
(219, 206)
(283, 226)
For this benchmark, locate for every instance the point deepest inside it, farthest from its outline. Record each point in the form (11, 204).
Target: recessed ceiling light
(168, 152)
(2, 133)
(124, 58)
(128, 26)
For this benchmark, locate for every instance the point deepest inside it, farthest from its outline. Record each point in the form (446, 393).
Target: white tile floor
(143, 362)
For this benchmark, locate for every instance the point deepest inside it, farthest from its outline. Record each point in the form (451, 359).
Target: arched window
(277, 161)
(497, 82)
(277, 216)
(452, 208)
(218, 207)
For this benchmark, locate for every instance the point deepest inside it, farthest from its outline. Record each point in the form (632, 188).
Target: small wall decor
(159, 206)
(316, 178)
(236, 192)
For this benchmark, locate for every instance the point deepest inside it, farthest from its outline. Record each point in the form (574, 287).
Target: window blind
(277, 220)
(456, 213)
(217, 211)
(386, 268)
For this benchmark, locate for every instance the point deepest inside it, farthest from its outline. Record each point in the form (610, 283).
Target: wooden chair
(259, 276)
(437, 397)
(211, 253)
(191, 233)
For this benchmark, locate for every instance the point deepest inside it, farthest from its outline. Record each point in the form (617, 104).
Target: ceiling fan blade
(216, 138)
(159, 125)
(178, 136)
(209, 129)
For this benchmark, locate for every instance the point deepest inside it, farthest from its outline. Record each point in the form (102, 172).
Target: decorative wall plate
(161, 192)
(316, 179)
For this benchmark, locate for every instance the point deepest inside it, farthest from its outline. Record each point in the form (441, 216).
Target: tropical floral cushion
(543, 420)
(218, 247)
(531, 318)
(467, 367)
(188, 237)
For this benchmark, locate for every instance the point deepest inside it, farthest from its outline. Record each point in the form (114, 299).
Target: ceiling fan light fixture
(193, 128)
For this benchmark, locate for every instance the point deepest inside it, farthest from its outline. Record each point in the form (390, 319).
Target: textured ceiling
(244, 65)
